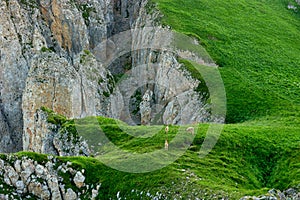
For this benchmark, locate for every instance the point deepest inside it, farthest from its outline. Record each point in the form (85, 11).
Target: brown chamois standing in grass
(167, 129)
(166, 144)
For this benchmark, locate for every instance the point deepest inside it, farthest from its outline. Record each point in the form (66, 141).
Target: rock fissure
(83, 109)
(54, 91)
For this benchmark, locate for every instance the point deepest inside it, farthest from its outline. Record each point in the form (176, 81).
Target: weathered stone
(1, 164)
(28, 165)
(94, 193)
(6, 179)
(79, 179)
(53, 55)
(11, 174)
(39, 190)
(290, 191)
(49, 166)
(40, 170)
(44, 181)
(24, 35)
(17, 165)
(53, 187)
(145, 108)
(176, 102)
(62, 190)
(27, 170)
(274, 194)
(4, 197)
(20, 186)
(70, 194)
(45, 194)
(13, 72)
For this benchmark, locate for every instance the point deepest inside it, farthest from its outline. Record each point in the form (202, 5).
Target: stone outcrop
(54, 83)
(174, 99)
(50, 138)
(291, 193)
(24, 177)
(79, 179)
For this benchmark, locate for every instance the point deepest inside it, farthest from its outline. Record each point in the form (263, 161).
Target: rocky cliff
(72, 57)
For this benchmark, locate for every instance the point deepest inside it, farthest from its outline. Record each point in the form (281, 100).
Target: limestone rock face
(10, 176)
(61, 55)
(54, 83)
(47, 138)
(156, 70)
(43, 62)
(13, 73)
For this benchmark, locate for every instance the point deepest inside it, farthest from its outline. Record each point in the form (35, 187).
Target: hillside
(256, 44)
(247, 160)
(66, 94)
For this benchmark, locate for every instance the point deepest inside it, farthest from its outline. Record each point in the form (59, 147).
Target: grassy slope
(247, 160)
(257, 45)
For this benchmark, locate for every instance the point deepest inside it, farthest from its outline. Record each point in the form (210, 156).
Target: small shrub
(45, 49)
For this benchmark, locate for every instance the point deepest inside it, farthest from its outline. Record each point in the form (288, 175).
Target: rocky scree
(45, 178)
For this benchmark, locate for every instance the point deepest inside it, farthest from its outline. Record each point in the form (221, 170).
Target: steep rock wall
(60, 54)
(154, 68)
(45, 61)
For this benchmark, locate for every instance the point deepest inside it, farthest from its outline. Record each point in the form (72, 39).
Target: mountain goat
(166, 145)
(167, 129)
